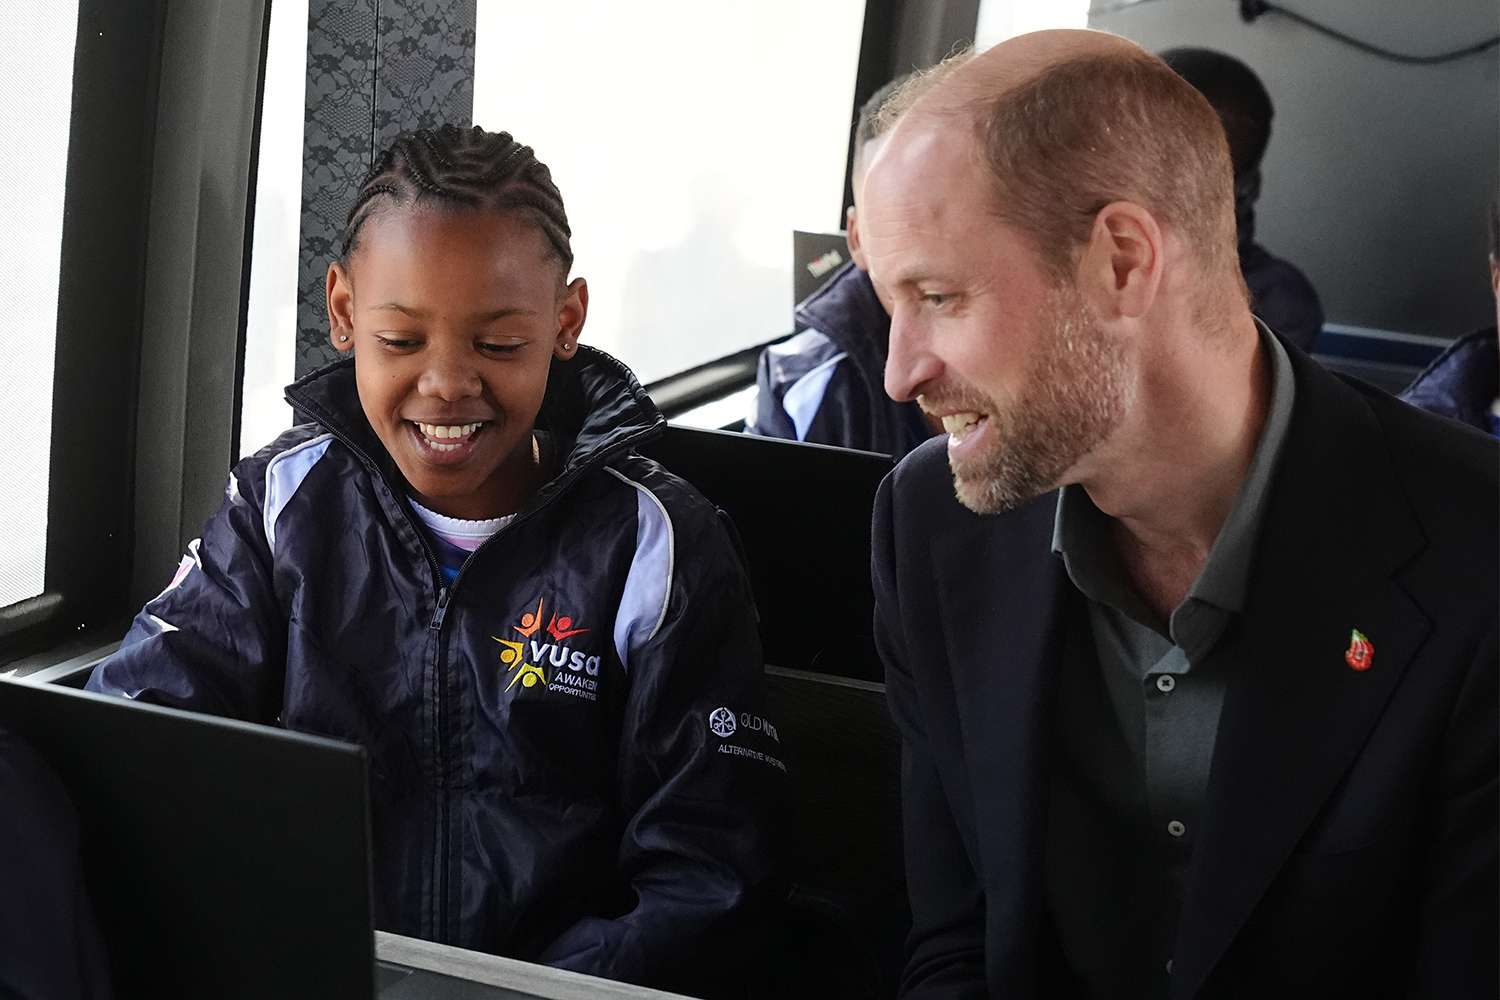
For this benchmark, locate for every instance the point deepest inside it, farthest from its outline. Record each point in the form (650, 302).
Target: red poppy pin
(1361, 652)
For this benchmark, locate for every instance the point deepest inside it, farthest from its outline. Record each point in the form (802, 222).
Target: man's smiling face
(1023, 379)
(455, 316)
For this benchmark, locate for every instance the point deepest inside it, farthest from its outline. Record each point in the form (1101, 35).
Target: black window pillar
(374, 69)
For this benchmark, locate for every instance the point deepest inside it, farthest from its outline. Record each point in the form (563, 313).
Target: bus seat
(841, 928)
(803, 513)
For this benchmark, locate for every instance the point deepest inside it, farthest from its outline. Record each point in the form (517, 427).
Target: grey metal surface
(501, 977)
(394, 982)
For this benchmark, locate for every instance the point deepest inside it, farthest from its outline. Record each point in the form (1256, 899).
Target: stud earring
(343, 338)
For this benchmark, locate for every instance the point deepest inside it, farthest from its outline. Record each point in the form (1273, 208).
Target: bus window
(1002, 19)
(38, 92)
(689, 141)
(271, 319)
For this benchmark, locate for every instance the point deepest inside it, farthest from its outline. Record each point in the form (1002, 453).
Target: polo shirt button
(1169, 966)
(1175, 828)
(1166, 683)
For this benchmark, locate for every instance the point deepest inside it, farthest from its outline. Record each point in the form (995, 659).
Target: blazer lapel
(1296, 713)
(1000, 598)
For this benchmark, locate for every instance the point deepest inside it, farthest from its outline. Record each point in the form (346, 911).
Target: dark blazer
(1349, 843)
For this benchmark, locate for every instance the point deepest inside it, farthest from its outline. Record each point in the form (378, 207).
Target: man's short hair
(1096, 129)
(1237, 95)
(869, 124)
(879, 114)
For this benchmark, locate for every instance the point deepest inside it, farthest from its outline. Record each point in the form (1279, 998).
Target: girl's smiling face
(455, 315)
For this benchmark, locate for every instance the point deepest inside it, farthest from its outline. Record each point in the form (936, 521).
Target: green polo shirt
(1136, 718)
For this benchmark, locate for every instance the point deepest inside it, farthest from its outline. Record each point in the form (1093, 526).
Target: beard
(1072, 396)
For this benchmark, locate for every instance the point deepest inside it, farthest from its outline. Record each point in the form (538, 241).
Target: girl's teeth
(439, 432)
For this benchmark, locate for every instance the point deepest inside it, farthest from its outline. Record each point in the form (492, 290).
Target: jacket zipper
(439, 615)
(441, 682)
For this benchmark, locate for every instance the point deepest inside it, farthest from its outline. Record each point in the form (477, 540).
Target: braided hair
(463, 167)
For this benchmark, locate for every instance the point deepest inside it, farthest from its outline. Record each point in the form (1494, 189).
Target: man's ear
(851, 235)
(1120, 269)
(339, 293)
(572, 310)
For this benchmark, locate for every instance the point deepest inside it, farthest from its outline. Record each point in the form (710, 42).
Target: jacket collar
(594, 409)
(847, 311)
(1338, 530)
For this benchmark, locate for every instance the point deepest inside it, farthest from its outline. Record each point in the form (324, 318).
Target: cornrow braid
(465, 167)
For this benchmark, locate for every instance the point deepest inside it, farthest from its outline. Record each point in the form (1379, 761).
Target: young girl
(545, 641)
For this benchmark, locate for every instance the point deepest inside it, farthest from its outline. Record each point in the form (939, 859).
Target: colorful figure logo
(530, 621)
(1361, 652)
(513, 654)
(560, 627)
(513, 658)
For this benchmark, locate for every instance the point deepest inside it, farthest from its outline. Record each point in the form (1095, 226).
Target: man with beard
(1164, 733)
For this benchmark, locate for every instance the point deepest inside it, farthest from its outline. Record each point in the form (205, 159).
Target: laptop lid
(815, 256)
(803, 515)
(223, 859)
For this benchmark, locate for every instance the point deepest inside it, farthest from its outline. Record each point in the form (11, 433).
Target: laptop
(803, 516)
(815, 256)
(223, 859)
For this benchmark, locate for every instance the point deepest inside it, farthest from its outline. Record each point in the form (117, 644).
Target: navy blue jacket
(826, 384)
(1281, 295)
(1348, 844)
(568, 758)
(1462, 382)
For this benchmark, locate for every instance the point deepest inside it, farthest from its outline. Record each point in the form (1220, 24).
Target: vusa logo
(574, 671)
(721, 721)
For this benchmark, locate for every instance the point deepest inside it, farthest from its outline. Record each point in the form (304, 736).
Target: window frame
(101, 278)
(151, 310)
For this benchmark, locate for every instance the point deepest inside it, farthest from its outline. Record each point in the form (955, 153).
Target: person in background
(1280, 294)
(1464, 381)
(825, 383)
(1191, 643)
(543, 639)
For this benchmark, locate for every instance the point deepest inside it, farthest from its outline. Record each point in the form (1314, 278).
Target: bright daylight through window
(271, 321)
(689, 140)
(1002, 19)
(36, 91)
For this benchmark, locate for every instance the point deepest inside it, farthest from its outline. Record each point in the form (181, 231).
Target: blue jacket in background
(1462, 382)
(826, 384)
(569, 761)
